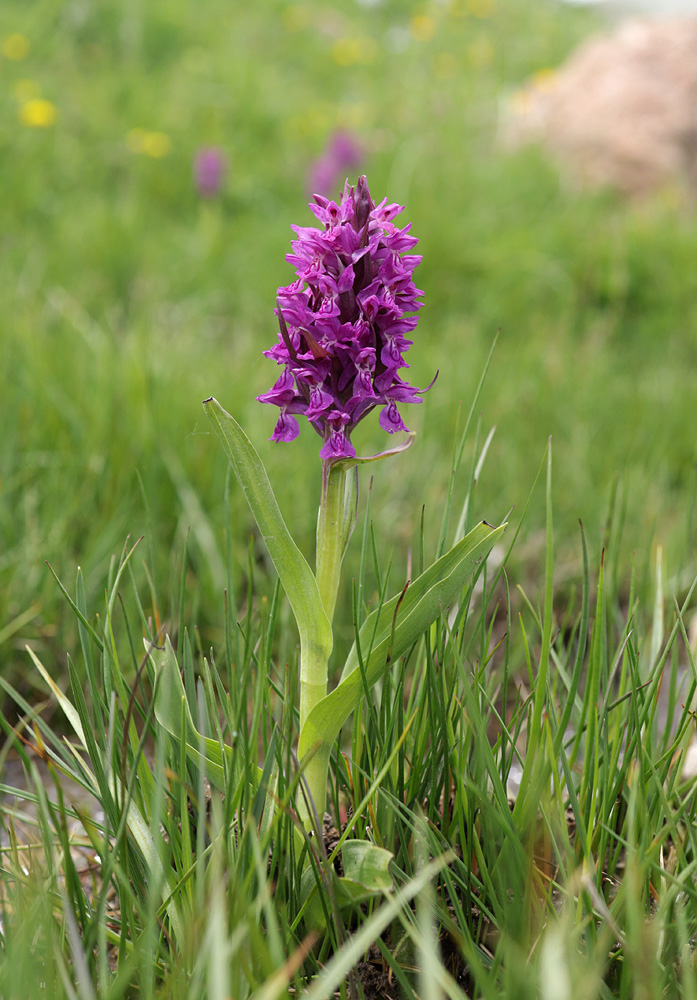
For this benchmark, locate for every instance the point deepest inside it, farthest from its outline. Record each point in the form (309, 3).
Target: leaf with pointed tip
(389, 632)
(169, 698)
(295, 575)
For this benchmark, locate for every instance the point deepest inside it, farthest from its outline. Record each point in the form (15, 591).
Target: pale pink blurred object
(209, 171)
(622, 111)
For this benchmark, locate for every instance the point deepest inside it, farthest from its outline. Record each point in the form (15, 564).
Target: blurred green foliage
(125, 298)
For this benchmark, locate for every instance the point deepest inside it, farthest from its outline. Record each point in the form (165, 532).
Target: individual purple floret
(344, 323)
(209, 171)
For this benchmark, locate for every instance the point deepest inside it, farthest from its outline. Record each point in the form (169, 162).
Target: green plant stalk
(330, 534)
(314, 776)
(332, 537)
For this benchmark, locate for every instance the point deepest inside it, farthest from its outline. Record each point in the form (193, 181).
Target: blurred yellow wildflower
(481, 8)
(294, 126)
(25, 90)
(445, 66)
(38, 113)
(545, 80)
(354, 115)
(156, 144)
(314, 122)
(15, 47)
(480, 53)
(350, 51)
(346, 51)
(422, 27)
(296, 17)
(153, 144)
(542, 82)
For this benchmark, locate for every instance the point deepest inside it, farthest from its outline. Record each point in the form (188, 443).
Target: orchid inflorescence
(343, 324)
(209, 171)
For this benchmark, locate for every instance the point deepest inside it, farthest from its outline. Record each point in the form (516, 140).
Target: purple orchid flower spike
(343, 321)
(209, 171)
(343, 154)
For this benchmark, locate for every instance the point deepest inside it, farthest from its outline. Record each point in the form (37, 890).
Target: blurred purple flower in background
(343, 155)
(343, 323)
(209, 171)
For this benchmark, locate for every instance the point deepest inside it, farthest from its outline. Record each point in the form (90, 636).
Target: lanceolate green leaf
(424, 599)
(293, 570)
(169, 697)
(385, 633)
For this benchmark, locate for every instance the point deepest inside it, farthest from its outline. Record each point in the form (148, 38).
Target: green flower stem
(315, 772)
(330, 534)
(314, 666)
(333, 530)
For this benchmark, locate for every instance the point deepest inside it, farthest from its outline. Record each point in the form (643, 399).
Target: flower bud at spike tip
(344, 322)
(364, 205)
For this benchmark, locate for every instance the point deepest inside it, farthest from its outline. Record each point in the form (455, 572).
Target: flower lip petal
(337, 446)
(286, 429)
(282, 392)
(390, 419)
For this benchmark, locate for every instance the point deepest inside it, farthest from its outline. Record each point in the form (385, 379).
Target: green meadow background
(126, 298)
